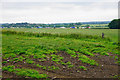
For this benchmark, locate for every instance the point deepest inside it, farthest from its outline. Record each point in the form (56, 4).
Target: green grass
(110, 33)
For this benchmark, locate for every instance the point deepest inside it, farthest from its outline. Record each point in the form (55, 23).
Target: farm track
(107, 67)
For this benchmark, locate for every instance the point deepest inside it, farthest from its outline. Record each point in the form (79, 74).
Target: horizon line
(52, 22)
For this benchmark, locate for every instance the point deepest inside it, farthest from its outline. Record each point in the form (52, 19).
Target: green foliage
(24, 72)
(39, 66)
(86, 52)
(15, 59)
(12, 55)
(68, 63)
(44, 67)
(56, 58)
(74, 56)
(49, 67)
(116, 57)
(70, 66)
(82, 67)
(118, 62)
(61, 58)
(4, 62)
(63, 63)
(9, 68)
(85, 59)
(115, 24)
(104, 53)
(29, 61)
(21, 58)
(70, 52)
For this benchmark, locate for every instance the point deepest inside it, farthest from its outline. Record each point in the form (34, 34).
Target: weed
(25, 72)
(29, 61)
(82, 67)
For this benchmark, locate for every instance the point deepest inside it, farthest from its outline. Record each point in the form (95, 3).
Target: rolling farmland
(59, 53)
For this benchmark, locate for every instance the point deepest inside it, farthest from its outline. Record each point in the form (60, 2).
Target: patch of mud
(106, 69)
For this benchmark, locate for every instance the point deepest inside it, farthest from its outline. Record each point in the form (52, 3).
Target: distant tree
(79, 23)
(114, 24)
(71, 24)
(87, 25)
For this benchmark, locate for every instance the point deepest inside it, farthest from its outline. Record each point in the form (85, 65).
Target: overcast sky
(58, 11)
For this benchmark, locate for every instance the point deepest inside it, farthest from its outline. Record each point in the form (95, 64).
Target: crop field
(59, 53)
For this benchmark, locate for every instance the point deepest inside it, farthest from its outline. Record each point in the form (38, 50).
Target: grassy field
(59, 53)
(110, 33)
(96, 25)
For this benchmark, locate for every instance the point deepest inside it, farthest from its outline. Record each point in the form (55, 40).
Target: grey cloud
(37, 5)
(58, 11)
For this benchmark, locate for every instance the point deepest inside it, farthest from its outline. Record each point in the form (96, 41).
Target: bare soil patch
(106, 69)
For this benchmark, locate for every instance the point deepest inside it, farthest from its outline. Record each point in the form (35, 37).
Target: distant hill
(97, 22)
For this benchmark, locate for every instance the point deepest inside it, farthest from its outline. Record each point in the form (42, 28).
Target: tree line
(115, 24)
(30, 25)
